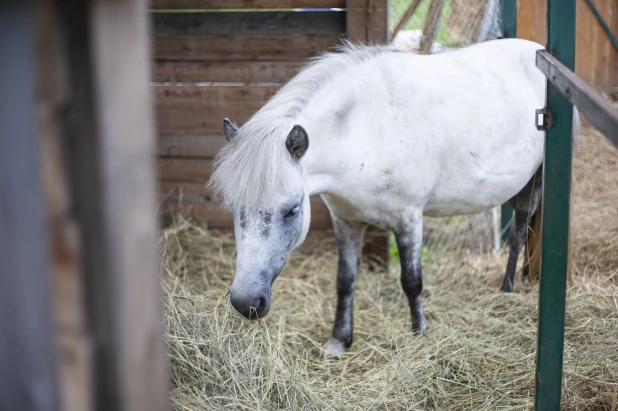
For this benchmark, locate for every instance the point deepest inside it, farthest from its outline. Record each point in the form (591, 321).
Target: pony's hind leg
(349, 238)
(525, 204)
(409, 242)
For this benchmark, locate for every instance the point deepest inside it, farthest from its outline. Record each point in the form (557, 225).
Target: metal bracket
(542, 119)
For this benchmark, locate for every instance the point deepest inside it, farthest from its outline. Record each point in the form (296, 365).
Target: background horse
(384, 137)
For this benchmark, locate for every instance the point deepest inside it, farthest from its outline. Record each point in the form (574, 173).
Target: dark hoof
(506, 287)
(419, 327)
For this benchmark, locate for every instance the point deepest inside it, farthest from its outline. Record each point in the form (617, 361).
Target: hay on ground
(479, 353)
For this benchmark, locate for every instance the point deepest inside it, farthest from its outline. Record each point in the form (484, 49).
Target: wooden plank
(277, 72)
(584, 46)
(525, 19)
(248, 23)
(204, 146)
(602, 45)
(185, 170)
(190, 198)
(244, 4)
(600, 112)
(27, 352)
(538, 31)
(199, 110)
(112, 152)
(367, 21)
(242, 48)
(73, 340)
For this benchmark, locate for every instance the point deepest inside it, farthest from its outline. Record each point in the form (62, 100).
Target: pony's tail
(577, 127)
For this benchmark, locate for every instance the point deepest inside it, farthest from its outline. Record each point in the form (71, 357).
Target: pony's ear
(297, 142)
(229, 129)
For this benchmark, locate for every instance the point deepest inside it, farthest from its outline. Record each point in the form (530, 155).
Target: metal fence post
(508, 25)
(556, 210)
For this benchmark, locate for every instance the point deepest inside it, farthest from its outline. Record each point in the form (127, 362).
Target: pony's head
(262, 180)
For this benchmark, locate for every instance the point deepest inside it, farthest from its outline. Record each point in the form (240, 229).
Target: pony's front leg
(349, 238)
(409, 242)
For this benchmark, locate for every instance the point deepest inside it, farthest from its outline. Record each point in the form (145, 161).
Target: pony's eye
(292, 212)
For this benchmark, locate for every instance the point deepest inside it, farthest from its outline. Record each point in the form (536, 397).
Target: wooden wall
(596, 58)
(211, 65)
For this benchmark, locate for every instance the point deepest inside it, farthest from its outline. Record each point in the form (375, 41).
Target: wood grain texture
(367, 21)
(248, 23)
(242, 48)
(199, 110)
(431, 26)
(245, 4)
(126, 304)
(190, 146)
(73, 339)
(277, 72)
(596, 60)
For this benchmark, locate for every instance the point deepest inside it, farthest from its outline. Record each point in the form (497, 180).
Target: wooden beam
(275, 72)
(367, 21)
(431, 26)
(73, 339)
(406, 17)
(111, 146)
(27, 351)
(199, 110)
(244, 4)
(249, 23)
(242, 48)
(600, 112)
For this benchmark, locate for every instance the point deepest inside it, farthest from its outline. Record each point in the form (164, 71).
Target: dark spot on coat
(266, 223)
(243, 219)
(362, 166)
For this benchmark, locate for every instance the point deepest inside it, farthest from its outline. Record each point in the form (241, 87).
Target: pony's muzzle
(252, 305)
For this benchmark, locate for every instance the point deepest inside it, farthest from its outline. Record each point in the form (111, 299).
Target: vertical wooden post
(27, 360)
(109, 136)
(73, 341)
(556, 212)
(367, 22)
(431, 26)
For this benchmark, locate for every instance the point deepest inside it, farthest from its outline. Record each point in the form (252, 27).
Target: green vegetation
(417, 21)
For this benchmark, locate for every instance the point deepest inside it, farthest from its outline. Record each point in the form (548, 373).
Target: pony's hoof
(418, 329)
(506, 288)
(333, 347)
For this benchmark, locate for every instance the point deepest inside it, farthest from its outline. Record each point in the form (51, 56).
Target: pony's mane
(255, 165)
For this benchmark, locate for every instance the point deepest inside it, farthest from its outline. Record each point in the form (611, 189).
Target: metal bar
(590, 102)
(508, 17)
(609, 33)
(556, 213)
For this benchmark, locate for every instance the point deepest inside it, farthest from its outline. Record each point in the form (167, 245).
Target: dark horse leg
(409, 242)
(524, 204)
(349, 238)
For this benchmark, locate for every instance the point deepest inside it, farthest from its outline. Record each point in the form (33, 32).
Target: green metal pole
(556, 210)
(509, 30)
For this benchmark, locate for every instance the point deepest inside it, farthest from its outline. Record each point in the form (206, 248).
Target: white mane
(256, 165)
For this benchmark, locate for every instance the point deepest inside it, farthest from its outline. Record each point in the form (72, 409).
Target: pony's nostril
(258, 306)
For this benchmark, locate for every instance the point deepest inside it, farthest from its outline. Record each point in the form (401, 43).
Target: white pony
(385, 137)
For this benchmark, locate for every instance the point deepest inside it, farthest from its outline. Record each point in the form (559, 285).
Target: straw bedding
(478, 354)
